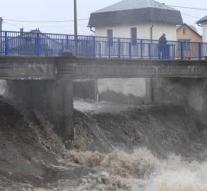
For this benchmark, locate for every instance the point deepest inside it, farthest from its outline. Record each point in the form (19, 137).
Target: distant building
(30, 42)
(203, 23)
(136, 19)
(187, 34)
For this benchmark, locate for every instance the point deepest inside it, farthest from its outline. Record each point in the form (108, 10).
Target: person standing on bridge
(162, 47)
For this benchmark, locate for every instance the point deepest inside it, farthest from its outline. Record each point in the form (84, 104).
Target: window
(110, 37)
(134, 36)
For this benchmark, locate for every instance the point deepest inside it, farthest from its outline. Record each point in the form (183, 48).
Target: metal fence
(35, 43)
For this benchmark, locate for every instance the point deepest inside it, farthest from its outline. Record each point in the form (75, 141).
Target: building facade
(203, 23)
(146, 31)
(187, 34)
(143, 19)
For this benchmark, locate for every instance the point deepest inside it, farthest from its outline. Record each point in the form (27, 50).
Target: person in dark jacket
(162, 47)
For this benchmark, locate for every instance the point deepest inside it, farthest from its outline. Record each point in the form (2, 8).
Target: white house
(133, 19)
(142, 19)
(203, 23)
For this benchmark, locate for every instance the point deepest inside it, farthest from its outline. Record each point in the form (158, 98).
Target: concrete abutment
(52, 98)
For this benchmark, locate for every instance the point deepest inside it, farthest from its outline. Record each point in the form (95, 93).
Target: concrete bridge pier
(52, 98)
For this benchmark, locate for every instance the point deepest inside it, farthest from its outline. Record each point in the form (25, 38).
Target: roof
(133, 11)
(134, 4)
(192, 28)
(202, 20)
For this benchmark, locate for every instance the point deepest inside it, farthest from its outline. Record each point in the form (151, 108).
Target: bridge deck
(47, 68)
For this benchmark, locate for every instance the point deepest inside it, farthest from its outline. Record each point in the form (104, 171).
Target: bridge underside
(45, 84)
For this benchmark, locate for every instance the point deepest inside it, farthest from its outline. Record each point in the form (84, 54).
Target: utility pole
(1, 33)
(75, 28)
(1, 24)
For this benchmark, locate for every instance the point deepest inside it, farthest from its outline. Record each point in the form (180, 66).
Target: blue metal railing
(35, 43)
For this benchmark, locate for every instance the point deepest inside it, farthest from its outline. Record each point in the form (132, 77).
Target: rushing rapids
(150, 148)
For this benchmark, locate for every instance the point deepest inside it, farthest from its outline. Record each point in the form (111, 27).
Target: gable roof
(134, 11)
(202, 20)
(134, 4)
(192, 28)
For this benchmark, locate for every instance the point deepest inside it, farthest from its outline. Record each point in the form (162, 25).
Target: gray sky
(55, 10)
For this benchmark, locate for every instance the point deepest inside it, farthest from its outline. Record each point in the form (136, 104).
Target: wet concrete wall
(119, 90)
(53, 98)
(85, 89)
(188, 92)
(130, 91)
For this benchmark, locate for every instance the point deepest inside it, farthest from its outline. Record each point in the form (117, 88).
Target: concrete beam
(105, 68)
(35, 68)
(27, 68)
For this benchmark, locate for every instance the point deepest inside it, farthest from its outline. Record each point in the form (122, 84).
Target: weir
(45, 84)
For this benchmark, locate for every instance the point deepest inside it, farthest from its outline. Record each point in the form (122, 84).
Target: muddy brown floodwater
(116, 148)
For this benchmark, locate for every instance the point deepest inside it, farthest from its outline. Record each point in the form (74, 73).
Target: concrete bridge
(50, 68)
(45, 83)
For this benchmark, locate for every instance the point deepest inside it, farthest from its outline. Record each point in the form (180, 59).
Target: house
(33, 42)
(187, 35)
(136, 19)
(203, 23)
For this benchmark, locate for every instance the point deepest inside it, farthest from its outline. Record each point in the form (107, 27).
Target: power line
(43, 21)
(193, 8)
(38, 25)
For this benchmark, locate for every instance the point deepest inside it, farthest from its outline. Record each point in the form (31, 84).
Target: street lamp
(75, 27)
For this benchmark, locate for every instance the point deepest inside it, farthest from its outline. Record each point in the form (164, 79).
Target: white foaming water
(141, 171)
(178, 175)
(137, 171)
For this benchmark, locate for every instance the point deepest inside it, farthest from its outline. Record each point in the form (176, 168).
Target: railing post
(6, 44)
(1, 44)
(200, 50)
(174, 52)
(63, 45)
(119, 48)
(181, 51)
(94, 47)
(37, 44)
(149, 50)
(130, 49)
(76, 44)
(67, 42)
(141, 48)
(109, 53)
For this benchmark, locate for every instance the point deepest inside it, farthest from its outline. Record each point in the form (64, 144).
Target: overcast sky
(56, 10)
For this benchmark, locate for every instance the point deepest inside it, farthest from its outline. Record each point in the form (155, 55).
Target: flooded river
(116, 148)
